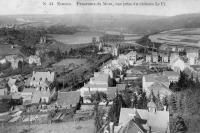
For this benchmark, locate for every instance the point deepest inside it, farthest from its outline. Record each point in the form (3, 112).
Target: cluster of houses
(168, 56)
(39, 87)
(15, 59)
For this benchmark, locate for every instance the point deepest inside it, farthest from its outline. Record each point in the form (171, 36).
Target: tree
(173, 103)
(58, 55)
(98, 96)
(180, 126)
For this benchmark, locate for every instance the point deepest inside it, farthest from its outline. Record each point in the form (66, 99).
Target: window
(33, 78)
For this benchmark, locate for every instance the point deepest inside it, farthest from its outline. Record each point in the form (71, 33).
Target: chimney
(111, 124)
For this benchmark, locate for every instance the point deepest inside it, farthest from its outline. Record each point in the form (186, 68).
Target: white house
(12, 85)
(148, 58)
(165, 58)
(2, 61)
(115, 50)
(132, 57)
(108, 71)
(172, 76)
(178, 65)
(34, 59)
(41, 79)
(173, 57)
(192, 55)
(14, 60)
(148, 80)
(155, 57)
(100, 82)
(3, 91)
(100, 78)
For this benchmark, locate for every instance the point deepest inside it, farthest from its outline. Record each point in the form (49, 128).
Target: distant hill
(116, 22)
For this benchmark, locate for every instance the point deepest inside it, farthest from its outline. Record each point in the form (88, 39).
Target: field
(67, 127)
(68, 62)
(82, 39)
(6, 50)
(187, 37)
(77, 38)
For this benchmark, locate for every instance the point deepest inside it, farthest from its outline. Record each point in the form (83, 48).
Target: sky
(171, 8)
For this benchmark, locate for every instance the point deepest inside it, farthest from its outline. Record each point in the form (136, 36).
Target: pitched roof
(100, 77)
(159, 88)
(43, 75)
(96, 85)
(170, 73)
(151, 104)
(121, 86)
(111, 92)
(11, 81)
(158, 120)
(68, 98)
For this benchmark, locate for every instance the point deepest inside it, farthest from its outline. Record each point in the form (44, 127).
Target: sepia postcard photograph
(99, 66)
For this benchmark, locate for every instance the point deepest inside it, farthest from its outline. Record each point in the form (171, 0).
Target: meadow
(77, 38)
(68, 62)
(187, 37)
(7, 50)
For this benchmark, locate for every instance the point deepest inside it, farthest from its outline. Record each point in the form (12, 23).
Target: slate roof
(68, 98)
(43, 75)
(157, 120)
(156, 78)
(159, 88)
(100, 77)
(96, 85)
(121, 87)
(111, 93)
(170, 73)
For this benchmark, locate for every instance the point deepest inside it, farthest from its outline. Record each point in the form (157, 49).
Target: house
(165, 58)
(2, 60)
(115, 50)
(149, 80)
(172, 76)
(159, 89)
(33, 59)
(132, 57)
(148, 58)
(14, 60)
(100, 46)
(100, 78)
(178, 65)
(173, 48)
(40, 79)
(173, 57)
(155, 57)
(12, 85)
(43, 96)
(142, 121)
(164, 47)
(3, 91)
(192, 54)
(68, 99)
(180, 49)
(132, 74)
(108, 71)
(27, 94)
(89, 89)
